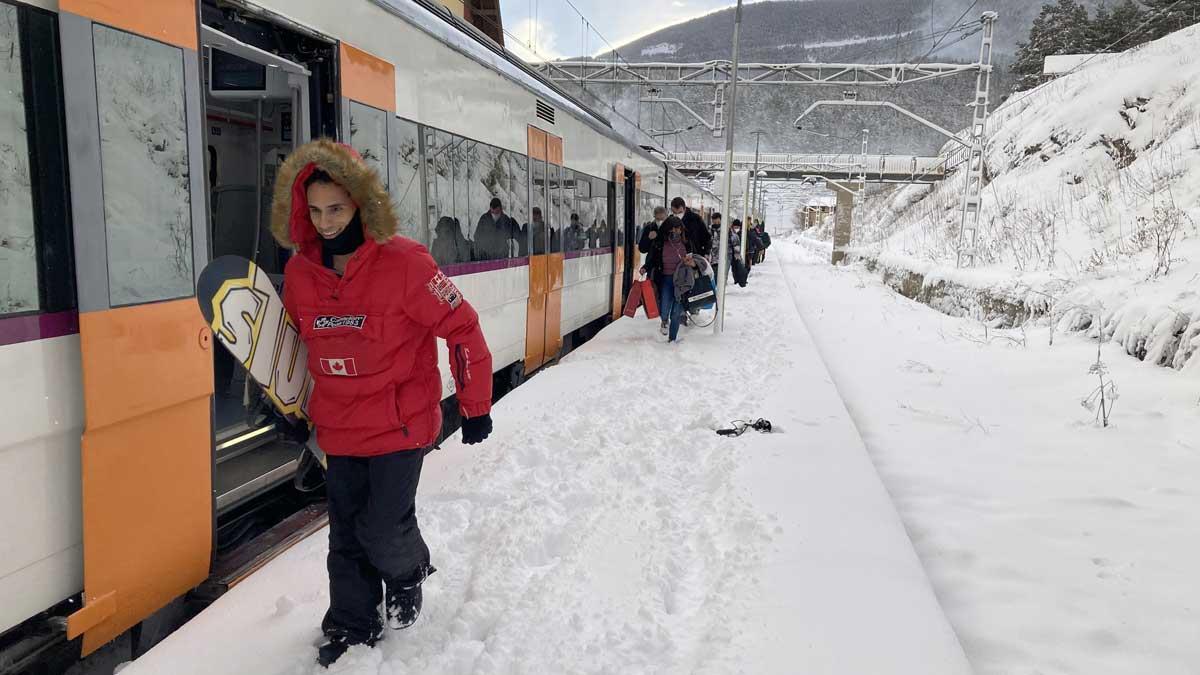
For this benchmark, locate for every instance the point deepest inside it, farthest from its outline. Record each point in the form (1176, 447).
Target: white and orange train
(138, 140)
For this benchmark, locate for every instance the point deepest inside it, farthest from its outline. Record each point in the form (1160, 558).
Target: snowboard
(247, 317)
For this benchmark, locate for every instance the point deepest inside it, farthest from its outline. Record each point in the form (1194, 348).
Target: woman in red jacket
(369, 305)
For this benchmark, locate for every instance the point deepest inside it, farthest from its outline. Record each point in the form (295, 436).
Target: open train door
(631, 231)
(131, 74)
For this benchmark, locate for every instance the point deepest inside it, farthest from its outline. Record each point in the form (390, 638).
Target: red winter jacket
(371, 333)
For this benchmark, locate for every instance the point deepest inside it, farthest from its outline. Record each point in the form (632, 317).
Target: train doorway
(267, 90)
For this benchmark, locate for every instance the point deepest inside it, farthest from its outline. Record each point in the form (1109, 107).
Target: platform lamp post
(754, 188)
(719, 324)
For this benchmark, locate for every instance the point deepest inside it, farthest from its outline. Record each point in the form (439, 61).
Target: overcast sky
(557, 30)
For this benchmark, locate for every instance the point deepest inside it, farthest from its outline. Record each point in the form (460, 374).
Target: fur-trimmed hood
(289, 212)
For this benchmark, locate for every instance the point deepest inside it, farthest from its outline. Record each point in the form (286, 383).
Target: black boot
(402, 601)
(338, 644)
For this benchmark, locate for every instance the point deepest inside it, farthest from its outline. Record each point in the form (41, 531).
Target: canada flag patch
(444, 290)
(344, 367)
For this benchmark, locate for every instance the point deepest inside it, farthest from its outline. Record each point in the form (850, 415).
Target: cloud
(535, 40)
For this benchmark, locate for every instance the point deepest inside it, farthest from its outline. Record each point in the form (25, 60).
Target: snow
(1092, 209)
(660, 49)
(605, 528)
(847, 42)
(1054, 545)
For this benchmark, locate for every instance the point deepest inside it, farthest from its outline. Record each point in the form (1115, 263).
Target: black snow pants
(373, 536)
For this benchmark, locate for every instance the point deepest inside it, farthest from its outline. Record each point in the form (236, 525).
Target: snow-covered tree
(1060, 28)
(1171, 15)
(1115, 30)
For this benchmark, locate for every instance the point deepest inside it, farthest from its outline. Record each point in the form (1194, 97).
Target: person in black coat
(650, 230)
(693, 225)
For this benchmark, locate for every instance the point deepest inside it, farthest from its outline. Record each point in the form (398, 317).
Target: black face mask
(675, 236)
(347, 241)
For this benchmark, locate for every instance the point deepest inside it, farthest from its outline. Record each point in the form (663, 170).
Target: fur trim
(351, 172)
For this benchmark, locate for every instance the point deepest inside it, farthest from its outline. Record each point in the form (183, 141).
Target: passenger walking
(376, 401)
(693, 225)
(667, 253)
(650, 230)
(765, 238)
(736, 259)
(715, 253)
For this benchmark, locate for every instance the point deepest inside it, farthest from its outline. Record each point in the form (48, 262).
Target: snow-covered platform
(605, 528)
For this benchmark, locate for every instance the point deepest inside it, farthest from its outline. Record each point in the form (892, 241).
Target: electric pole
(719, 324)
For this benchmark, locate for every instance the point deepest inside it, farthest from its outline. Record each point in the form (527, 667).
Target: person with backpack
(668, 251)
(765, 238)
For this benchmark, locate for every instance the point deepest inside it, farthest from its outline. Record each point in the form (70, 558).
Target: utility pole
(862, 185)
(747, 210)
(719, 324)
(757, 138)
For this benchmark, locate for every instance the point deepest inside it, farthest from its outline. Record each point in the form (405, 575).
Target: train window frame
(45, 135)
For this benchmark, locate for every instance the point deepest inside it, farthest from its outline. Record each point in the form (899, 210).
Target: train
(138, 468)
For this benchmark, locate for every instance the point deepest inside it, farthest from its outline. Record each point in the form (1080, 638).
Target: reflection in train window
(600, 212)
(18, 248)
(148, 220)
(464, 177)
(368, 135)
(554, 218)
(537, 218)
(406, 179)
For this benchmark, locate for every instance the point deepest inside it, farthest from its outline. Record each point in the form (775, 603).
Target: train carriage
(137, 465)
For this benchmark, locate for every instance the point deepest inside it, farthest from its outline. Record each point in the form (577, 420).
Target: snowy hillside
(1092, 207)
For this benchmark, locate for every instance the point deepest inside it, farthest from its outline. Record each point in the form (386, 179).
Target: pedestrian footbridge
(847, 167)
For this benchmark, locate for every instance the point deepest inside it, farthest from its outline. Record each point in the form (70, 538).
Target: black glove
(476, 429)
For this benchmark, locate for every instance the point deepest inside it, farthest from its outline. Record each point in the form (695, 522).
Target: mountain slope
(838, 31)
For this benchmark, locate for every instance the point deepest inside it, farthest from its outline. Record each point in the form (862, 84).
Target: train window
(574, 237)
(406, 179)
(496, 236)
(580, 227)
(368, 135)
(144, 158)
(537, 217)
(554, 215)
(18, 248)
(514, 195)
(600, 211)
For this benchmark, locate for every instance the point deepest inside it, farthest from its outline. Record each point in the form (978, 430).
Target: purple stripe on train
(38, 327)
(460, 269)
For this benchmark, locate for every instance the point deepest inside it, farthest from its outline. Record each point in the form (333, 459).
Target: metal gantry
(973, 190)
(763, 74)
(842, 167)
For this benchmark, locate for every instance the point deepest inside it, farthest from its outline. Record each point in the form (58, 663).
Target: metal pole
(747, 209)
(754, 189)
(719, 324)
(862, 185)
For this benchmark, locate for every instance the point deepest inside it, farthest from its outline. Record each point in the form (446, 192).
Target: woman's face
(330, 208)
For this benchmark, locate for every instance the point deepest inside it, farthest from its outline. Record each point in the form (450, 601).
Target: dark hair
(318, 176)
(716, 215)
(736, 223)
(678, 203)
(496, 203)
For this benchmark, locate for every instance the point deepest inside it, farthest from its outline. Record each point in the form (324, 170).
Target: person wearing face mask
(737, 260)
(369, 306)
(650, 230)
(667, 252)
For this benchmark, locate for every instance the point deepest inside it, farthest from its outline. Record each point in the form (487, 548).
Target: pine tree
(1171, 15)
(1114, 31)
(1061, 28)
